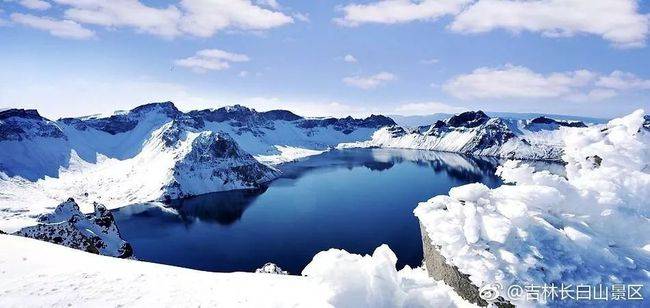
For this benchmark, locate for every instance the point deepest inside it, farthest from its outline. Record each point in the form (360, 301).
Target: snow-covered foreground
(589, 228)
(39, 274)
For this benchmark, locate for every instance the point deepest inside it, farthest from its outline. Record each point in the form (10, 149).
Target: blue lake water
(352, 199)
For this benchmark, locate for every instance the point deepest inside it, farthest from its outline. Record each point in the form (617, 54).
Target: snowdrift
(40, 274)
(589, 228)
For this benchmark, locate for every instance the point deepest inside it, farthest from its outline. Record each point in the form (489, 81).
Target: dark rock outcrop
(124, 122)
(67, 226)
(439, 269)
(549, 121)
(217, 160)
(468, 119)
(21, 124)
(271, 268)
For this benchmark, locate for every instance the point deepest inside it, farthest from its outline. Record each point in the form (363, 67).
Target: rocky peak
(282, 115)
(468, 119)
(167, 108)
(20, 113)
(377, 121)
(552, 123)
(124, 122)
(217, 160)
(20, 124)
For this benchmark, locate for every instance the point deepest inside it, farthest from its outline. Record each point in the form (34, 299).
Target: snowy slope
(475, 133)
(588, 228)
(174, 163)
(39, 274)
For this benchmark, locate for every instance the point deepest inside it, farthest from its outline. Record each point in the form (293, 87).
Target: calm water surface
(349, 199)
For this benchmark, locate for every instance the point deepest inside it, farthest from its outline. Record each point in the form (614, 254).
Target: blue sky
(79, 57)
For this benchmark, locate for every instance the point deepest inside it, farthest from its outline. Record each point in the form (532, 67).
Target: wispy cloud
(369, 82)
(201, 18)
(398, 11)
(350, 58)
(61, 28)
(39, 5)
(430, 61)
(518, 82)
(617, 21)
(211, 60)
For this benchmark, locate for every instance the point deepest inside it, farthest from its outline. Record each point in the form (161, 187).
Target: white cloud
(426, 108)
(398, 11)
(35, 4)
(243, 74)
(369, 82)
(617, 21)
(350, 58)
(593, 95)
(124, 13)
(205, 17)
(519, 82)
(201, 18)
(211, 60)
(515, 82)
(60, 28)
(623, 81)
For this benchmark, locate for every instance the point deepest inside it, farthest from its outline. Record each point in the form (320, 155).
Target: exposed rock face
(67, 226)
(439, 269)
(21, 124)
(544, 123)
(348, 125)
(468, 119)
(396, 131)
(216, 160)
(124, 122)
(271, 268)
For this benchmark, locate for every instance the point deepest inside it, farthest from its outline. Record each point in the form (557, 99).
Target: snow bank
(40, 274)
(588, 228)
(373, 281)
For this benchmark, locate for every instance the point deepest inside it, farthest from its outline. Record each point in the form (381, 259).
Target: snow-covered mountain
(476, 133)
(153, 152)
(421, 120)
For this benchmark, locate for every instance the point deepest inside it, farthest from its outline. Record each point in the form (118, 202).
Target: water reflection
(223, 208)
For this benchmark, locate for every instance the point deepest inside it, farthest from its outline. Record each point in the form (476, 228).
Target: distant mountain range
(419, 120)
